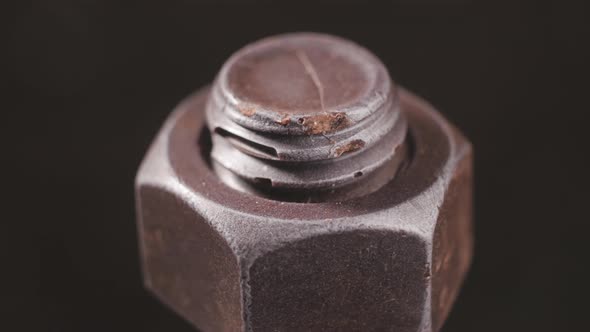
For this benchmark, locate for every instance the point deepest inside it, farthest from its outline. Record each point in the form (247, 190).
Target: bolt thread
(307, 130)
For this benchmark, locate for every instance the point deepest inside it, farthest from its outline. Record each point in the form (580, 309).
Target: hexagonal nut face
(227, 261)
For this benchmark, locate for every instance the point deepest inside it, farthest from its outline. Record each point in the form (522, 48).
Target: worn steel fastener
(305, 191)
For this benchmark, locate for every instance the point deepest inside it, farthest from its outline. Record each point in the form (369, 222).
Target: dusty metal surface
(390, 258)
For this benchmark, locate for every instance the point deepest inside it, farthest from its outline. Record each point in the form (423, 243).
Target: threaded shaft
(305, 117)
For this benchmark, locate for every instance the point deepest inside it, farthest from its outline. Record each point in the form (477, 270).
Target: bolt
(305, 118)
(305, 191)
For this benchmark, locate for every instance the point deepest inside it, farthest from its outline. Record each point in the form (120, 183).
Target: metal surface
(391, 258)
(305, 115)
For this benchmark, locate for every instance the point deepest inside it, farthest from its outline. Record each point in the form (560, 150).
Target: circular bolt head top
(297, 83)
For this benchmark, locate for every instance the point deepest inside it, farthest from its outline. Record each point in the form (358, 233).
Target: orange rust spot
(351, 146)
(247, 110)
(324, 123)
(284, 120)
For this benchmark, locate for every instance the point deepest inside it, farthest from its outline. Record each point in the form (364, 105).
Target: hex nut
(392, 260)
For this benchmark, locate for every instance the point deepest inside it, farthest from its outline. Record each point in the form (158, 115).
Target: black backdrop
(90, 82)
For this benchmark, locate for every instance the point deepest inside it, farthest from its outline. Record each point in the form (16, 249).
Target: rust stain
(247, 110)
(351, 146)
(324, 123)
(284, 120)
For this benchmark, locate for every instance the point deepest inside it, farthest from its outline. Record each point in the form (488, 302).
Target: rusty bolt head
(226, 260)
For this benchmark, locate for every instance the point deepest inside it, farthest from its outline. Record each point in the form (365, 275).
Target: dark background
(90, 82)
